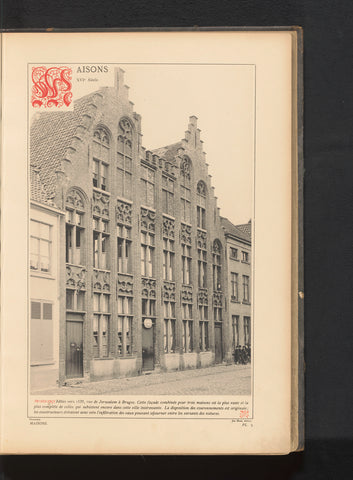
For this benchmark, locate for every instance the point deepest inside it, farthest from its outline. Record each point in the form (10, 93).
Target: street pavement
(216, 380)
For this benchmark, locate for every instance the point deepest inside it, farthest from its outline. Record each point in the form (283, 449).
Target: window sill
(99, 190)
(123, 199)
(80, 312)
(246, 303)
(35, 273)
(246, 263)
(152, 209)
(234, 301)
(235, 259)
(126, 274)
(168, 215)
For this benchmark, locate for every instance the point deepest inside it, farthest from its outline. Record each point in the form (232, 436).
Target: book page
(146, 242)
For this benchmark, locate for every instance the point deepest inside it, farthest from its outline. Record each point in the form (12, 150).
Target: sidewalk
(215, 380)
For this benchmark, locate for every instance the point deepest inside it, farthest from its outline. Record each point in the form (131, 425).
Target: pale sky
(222, 98)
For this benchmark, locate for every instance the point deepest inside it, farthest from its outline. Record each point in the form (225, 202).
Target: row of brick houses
(132, 267)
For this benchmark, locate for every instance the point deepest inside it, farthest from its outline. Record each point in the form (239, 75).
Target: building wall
(238, 306)
(75, 191)
(44, 289)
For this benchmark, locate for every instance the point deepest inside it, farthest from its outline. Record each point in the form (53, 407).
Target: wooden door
(218, 343)
(147, 349)
(74, 349)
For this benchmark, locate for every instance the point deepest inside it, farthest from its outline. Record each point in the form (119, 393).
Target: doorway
(74, 349)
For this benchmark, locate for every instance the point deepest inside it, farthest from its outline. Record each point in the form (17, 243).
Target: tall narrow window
(188, 328)
(169, 327)
(100, 243)
(216, 258)
(40, 247)
(234, 286)
(167, 195)
(124, 325)
(247, 331)
(147, 186)
(235, 328)
(124, 159)
(168, 259)
(186, 263)
(75, 228)
(202, 268)
(185, 189)
(246, 287)
(147, 254)
(101, 320)
(204, 344)
(124, 249)
(100, 158)
(201, 205)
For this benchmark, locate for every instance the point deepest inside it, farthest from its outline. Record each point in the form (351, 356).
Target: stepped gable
(38, 190)
(235, 230)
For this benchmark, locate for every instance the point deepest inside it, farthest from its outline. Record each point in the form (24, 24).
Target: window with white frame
(124, 159)
(124, 249)
(41, 332)
(235, 330)
(169, 327)
(217, 266)
(245, 257)
(167, 195)
(186, 260)
(233, 253)
(147, 254)
(75, 237)
(40, 247)
(188, 327)
(247, 331)
(246, 289)
(101, 149)
(100, 243)
(75, 300)
(203, 323)
(185, 189)
(202, 267)
(217, 314)
(125, 317)
(201, 205)
(101, 320)
(147, 186)
(234, 282)
(168, 259)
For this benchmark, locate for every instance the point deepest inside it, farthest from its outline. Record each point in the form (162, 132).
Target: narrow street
(216, 380)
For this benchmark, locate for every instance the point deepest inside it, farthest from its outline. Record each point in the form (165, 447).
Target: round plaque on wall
(147, 323)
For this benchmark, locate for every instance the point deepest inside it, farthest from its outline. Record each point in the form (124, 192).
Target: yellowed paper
(238, 85)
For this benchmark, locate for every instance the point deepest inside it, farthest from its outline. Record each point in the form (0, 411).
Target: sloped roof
(169, 151)
(246, 228)
(235, 230)
(51, 134)
(39, 192)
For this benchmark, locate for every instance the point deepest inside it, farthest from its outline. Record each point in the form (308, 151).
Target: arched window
(124, 158)
(217, 265)
(101, 151)
(75, 227)
(201, 204)
(185, 189)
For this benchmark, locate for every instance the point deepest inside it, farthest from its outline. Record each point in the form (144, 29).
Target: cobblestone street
(217, 380)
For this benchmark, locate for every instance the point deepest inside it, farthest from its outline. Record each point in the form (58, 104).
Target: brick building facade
(144, 278)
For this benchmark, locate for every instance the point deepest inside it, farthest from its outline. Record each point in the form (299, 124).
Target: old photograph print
(141, 225)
